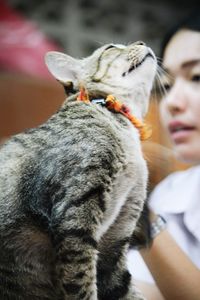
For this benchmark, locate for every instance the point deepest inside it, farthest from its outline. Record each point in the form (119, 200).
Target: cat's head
(127, 72)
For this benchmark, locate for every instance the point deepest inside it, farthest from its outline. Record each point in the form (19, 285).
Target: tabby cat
(72, 189)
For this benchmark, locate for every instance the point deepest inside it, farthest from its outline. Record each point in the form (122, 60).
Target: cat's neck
(126, 99)
(113, 104)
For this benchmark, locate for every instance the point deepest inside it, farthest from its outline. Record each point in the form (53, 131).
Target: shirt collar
(179, 193)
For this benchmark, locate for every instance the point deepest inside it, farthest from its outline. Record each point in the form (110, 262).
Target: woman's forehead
(182, 51)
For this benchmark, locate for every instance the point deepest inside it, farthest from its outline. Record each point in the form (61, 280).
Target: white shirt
(177, 199)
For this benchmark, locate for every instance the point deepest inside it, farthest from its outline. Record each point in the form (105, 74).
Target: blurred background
(30, 28)
(80, 26)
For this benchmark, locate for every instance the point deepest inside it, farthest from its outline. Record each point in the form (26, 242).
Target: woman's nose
(175, 99)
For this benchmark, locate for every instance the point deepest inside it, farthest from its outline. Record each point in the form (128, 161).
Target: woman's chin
(187, 154)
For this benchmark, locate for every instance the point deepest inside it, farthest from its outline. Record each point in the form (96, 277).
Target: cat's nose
(139, 43)
(136, 45)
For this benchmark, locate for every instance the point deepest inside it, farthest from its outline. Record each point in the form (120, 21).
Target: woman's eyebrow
(184, 65)
(190, 63)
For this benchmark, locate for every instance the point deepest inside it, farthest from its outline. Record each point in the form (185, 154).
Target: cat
(72, 189)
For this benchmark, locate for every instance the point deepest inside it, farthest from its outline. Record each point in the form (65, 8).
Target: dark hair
(191, 21)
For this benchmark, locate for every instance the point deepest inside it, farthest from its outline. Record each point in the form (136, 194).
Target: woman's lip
(181, 135)
(179, 131)
(175, 126)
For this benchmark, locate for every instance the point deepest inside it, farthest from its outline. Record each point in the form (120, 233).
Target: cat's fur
(72, 189)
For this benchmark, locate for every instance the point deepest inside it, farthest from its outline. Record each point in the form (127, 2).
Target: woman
(174, 256)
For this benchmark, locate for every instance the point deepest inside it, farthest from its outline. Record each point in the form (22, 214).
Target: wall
(82, 25)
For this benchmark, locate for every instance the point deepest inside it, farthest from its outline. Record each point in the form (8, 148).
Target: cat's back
(79, 136)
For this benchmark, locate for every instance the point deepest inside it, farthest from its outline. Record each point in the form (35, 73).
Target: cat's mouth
(136, 65)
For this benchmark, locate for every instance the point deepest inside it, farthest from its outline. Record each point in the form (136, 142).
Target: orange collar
(115, 105)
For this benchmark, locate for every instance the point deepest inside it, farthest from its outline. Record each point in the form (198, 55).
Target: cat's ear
(63, 67)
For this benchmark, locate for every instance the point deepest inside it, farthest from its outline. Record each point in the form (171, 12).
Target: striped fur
(72, 189)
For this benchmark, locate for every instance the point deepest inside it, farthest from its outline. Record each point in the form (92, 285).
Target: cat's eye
(110, 47)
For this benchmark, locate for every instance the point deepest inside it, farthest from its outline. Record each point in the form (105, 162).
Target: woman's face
(180, 107)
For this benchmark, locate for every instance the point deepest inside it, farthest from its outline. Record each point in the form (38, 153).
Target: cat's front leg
(74, 226)
(114, 280)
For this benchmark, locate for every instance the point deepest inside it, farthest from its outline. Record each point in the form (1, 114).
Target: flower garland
(115, 105)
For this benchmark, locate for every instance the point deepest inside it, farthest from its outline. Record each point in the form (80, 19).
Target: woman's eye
(166, 86)
(196, 78)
